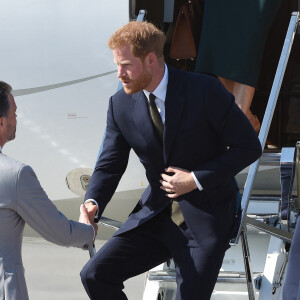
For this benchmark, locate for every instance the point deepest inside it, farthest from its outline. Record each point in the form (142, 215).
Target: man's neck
(158, 75)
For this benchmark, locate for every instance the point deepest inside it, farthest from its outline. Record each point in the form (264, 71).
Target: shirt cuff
(197, 182)
(90, 245)
(95, 202)
(94, 233)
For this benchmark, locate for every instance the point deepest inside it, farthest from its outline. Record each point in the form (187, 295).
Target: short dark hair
(5, 90)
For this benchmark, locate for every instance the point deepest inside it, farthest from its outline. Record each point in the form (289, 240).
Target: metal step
(224, 277)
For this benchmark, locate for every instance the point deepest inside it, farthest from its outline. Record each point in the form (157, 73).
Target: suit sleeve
(38, 211)
(111, 164)
(235, 132)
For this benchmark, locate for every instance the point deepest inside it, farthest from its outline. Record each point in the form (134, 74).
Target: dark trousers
(291, 287)
(136, 251)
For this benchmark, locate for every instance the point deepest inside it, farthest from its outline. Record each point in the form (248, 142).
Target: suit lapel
(173, 111)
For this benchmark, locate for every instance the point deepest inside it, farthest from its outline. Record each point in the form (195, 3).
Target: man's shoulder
(124, 100)
(9, 177)
(183, 76)
(9, 163)
(13, 169)
(121, 94)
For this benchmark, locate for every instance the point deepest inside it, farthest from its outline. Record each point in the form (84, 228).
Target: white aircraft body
(55, 56)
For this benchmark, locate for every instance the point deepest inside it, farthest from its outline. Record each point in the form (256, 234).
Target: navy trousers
(291, 288)
(136, 251)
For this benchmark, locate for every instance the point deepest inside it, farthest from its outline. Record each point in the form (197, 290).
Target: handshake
(87, 215)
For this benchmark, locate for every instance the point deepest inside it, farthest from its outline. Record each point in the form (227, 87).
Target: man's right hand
(87, 217)
(92, 208)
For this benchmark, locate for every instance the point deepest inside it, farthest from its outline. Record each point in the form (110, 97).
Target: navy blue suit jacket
(205, 132)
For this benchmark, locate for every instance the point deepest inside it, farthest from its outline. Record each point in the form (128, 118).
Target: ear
(1, 121)
(151, 58)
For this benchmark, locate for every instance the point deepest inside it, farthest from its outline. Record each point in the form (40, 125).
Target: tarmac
(52, 272)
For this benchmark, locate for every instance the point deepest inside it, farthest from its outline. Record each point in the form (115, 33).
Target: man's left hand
(180, 183)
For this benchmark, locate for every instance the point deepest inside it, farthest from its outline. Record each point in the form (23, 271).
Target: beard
(136, 85)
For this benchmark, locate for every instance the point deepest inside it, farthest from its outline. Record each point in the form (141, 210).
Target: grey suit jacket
(22, 199)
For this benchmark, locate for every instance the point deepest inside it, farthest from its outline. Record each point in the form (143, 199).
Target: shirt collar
(161, 90)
